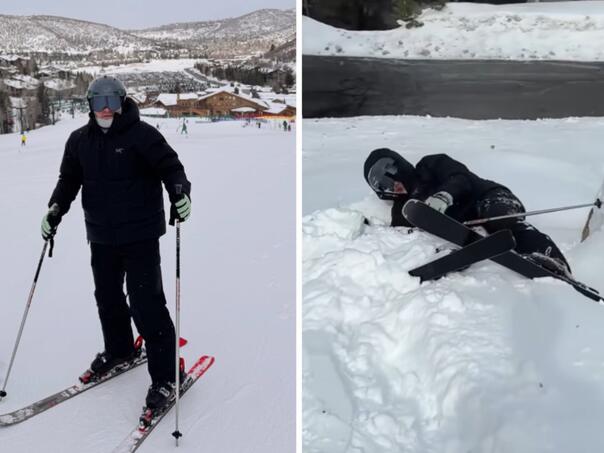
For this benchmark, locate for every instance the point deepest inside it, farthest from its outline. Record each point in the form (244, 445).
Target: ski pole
(29, 299)
(597, 203)
(177, 434)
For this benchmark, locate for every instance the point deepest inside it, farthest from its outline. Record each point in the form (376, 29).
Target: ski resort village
(149, 187)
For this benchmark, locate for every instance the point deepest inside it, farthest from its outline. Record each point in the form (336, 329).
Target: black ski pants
(139, 264)
(498, 202)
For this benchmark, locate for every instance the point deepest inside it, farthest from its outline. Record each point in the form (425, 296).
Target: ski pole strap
(51, 243)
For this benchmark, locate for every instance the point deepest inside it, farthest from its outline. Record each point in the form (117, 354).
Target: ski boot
(555, 265)
(104, 363)
(160, 397)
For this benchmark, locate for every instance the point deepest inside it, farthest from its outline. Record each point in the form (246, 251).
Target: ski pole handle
(597, 203)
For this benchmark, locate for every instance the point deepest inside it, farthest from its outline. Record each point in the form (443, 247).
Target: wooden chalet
(219, 103)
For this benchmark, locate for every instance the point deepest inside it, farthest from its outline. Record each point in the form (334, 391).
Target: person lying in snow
(450, 187)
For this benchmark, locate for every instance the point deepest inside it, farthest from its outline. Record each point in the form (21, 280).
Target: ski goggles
(381, 176)
(99, 103)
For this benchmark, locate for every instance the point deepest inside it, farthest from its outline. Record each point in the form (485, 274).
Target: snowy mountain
(251, 34)
(482, 360)
(49, 34)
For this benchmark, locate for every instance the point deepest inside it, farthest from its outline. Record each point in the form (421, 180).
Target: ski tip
(207, 358)
(182, 342)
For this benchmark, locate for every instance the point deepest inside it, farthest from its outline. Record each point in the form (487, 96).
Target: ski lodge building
(221, 103)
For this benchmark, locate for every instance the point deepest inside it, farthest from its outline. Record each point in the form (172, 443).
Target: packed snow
(482, 360)
(174, 65)
(237, 298)
(571, 30)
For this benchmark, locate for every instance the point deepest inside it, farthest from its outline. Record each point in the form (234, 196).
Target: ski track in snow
(237, 298)
(480, 361)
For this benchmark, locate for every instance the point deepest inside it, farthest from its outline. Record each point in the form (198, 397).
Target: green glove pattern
(183, 208)
(50, 221)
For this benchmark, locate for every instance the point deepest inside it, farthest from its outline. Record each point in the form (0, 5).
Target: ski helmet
(383, 167)
(106, 91)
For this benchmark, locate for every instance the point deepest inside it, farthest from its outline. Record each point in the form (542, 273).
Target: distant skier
(121, 162)
(184, 128)
(23, 139)
(449, 187)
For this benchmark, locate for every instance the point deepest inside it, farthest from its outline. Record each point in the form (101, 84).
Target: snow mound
(461, 364)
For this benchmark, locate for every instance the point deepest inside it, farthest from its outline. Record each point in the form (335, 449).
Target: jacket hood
(406, 173)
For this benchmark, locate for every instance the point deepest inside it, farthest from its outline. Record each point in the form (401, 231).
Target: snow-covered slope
(266, 23)
(60, 34)
(237, 298)
(251, 34)
(480, 361)
(534, 31)
(244, 36)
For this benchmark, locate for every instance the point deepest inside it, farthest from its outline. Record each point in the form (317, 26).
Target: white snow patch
(534, 31)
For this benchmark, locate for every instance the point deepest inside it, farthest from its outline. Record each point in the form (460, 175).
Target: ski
(482, 249)
(86, 383)
(445, 227)
(141, 432)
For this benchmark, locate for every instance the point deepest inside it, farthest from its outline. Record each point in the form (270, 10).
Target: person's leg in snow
(108, 272)
(151, 317)
(139, 264)
(530, 242)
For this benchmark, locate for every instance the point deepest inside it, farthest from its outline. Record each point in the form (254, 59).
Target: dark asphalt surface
(472, 89)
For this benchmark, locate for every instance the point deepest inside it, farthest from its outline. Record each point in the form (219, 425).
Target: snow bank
(535, 31)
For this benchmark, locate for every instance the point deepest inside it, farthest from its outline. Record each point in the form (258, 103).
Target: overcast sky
(142, 13)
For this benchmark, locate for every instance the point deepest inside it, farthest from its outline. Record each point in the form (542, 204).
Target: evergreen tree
(43, 116)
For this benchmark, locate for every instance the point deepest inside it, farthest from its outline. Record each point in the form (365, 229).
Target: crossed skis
(497, 247)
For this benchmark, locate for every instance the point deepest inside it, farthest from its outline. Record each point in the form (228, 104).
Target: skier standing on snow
(449, 187)
(121, 162)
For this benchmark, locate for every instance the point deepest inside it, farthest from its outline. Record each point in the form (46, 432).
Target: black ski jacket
(439, 172)
(120, 173)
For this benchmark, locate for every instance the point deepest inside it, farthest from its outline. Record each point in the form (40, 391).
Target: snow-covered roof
(171, 98)
(12, 57)
(277, 107)
(153, 111)
(22, 82)
(259, 102)
(243, 110)
(59, 84)
(138, 97)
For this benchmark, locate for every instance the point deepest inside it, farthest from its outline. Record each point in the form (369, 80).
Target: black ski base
(480, 250)
(443, 226)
